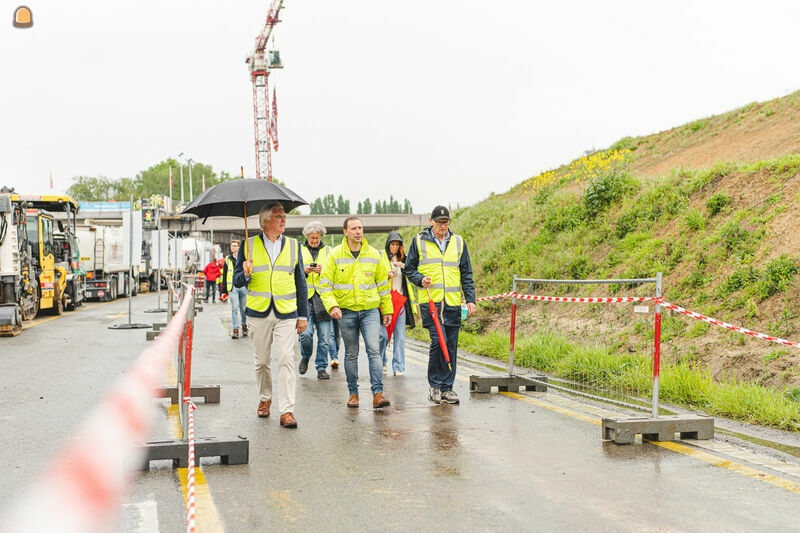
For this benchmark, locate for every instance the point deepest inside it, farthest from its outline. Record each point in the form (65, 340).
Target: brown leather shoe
(352, 401)
(335, 365)
(263, 409)
(288, 420)
(379, 400)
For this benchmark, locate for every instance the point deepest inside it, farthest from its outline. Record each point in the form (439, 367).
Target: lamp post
(180, 162)
(191, 189)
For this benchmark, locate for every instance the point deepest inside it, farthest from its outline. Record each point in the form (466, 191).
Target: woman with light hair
(314, 254)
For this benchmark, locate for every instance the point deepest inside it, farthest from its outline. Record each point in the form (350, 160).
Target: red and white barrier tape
(726, 325)
(190, 494)
(495, 297)
(81, 489)
(654, 299)
(586, 300)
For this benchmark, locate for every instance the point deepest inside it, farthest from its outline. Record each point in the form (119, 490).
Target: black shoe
(321, 374)
(303, 365)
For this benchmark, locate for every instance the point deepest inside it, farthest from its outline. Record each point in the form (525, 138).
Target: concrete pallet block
(234, 451)
(484, 384)
(158, 326)
(663, 428)
(151, 335)
(209, 393)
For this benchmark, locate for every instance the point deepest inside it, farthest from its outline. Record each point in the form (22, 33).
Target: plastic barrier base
(663, 428)
(209, 393)
(158, 326)
(507, 383)
(151, 335)
(234, 451)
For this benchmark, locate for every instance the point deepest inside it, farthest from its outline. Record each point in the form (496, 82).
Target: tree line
(149, 182)
(330, 205)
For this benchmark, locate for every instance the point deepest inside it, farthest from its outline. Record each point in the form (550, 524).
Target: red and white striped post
(657, 347)
(513, 327)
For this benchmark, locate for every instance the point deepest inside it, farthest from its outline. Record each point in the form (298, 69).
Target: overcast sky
(441, 101)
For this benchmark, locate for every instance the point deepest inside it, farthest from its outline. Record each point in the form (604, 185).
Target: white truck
(104, 257)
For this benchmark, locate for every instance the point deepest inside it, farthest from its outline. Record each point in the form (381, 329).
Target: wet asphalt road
(492, 462)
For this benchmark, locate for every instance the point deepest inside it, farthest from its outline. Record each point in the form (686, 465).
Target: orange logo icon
(23, 17)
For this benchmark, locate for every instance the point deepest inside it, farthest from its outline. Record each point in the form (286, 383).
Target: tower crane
(261, 63)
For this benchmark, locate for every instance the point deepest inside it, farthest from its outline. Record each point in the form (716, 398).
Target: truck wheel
(58, 306)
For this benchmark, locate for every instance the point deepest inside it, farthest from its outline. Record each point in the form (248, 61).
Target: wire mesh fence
(594, 338)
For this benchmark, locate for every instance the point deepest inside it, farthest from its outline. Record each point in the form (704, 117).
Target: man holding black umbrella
(438, 261)
(270, 265)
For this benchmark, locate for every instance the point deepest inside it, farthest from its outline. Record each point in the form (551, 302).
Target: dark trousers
(439, 375)
(211, 286)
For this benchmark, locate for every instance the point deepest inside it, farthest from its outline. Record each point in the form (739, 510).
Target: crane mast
(261, 63)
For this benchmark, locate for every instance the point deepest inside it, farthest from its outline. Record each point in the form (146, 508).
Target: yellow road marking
(673, 446)
(730, 465)
(206, 515)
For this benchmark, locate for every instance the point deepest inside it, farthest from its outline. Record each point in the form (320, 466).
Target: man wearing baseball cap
(438, 261)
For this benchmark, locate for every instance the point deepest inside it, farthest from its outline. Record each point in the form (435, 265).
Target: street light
(191, 189)
(180, 162)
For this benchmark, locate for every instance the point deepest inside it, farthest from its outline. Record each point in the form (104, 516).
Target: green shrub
(694, 220)
(605, 189)
(716, 203)
(777, 275)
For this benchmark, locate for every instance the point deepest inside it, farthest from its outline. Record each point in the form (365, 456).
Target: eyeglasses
(441, 222)
(279, 217)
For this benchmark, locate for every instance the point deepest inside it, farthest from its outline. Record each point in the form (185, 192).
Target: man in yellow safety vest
(354, 286)
(438, 260)
(237, 295)
(277, 306)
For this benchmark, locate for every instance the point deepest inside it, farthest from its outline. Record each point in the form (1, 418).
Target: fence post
(187, 358)
(513, 327)
(182, 412)
(657, 347)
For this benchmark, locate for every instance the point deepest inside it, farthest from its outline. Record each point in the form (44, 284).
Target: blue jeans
(323, 328)
(439, 375)
(398, 344)
(238, 298)
(211, 286)
(336, 337)
(368, 324)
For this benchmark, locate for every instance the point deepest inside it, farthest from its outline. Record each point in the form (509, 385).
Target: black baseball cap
(440, 212)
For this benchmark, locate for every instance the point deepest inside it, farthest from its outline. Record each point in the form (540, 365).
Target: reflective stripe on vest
(312, 278)
(443, 269)
(273, 282)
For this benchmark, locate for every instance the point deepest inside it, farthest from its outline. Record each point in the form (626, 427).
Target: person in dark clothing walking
(396, 258)
(438, 260)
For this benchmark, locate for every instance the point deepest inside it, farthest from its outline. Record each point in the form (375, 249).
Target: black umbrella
(241, 197)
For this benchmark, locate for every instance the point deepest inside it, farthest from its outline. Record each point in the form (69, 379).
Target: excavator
(39, 258)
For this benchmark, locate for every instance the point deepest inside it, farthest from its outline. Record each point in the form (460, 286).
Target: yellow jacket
(357, 284)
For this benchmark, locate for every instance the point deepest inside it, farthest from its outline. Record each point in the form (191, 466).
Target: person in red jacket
(212, 272)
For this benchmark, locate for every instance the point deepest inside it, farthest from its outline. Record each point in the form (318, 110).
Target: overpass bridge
(227, 228)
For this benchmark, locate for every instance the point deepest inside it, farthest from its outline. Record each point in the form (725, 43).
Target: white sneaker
(398, 373)
(385, 369)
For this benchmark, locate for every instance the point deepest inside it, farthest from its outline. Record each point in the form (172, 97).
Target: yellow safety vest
(270, 282)
(442, 269)
(312, 278)
(229, 275)
(357, 284)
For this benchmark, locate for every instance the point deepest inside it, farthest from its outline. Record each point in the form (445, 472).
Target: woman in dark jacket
(396, 258)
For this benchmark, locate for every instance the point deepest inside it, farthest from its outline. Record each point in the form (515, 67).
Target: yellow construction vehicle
(39, 259)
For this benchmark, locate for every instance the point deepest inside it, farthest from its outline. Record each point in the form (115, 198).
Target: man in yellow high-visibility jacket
(237, 295)
(438, 260)
(277, 307)
(354, 287)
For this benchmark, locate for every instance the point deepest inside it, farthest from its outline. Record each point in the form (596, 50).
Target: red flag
(398, 304)
(439, 332)
(273, 121)
(52, 185)
(170, 179)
